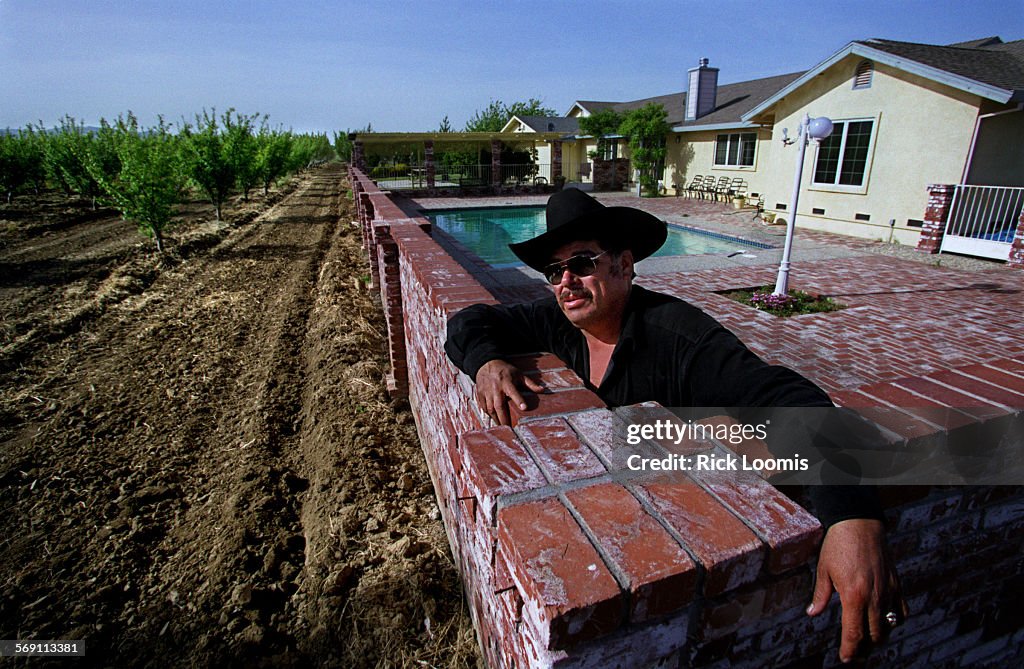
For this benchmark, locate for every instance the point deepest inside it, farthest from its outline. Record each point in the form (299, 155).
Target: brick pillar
(556, 159)
(428, 163)
(391, 297)
(601, 175)
(940, 197)
(358, 158)
(496, 166)
(1016, 258)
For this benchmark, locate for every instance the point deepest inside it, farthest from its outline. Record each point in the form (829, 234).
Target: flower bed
(794, 303)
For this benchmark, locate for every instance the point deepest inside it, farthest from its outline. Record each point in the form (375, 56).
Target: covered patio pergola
(442, 163)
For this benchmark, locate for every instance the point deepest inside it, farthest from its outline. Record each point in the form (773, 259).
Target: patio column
(556, 159)
(496, 166)
(428, 162)
(940, 197)
(1016, 258)
(357, 156)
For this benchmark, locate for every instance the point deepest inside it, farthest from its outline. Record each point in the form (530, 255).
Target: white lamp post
(810, 128)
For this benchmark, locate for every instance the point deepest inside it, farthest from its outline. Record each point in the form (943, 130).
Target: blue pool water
(488, 232)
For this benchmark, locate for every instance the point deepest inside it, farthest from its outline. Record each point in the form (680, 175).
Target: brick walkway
(904, 318)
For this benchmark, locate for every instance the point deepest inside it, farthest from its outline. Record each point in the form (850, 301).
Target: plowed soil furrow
(207, 471)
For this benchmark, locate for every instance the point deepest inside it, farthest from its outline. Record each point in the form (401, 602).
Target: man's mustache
(571, 294)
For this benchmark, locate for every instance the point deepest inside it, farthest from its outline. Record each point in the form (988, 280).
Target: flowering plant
(768, 301)
(795, 303)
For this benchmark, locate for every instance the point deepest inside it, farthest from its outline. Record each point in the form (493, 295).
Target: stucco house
(905, 116)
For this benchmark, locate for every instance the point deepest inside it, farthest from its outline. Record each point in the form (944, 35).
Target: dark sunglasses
(579, 265)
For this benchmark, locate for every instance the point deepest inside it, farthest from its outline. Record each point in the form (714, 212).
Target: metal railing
(982, 220)
(412, 176)
(526, 173)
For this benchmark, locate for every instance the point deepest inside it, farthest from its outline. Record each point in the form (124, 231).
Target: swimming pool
(488, 232)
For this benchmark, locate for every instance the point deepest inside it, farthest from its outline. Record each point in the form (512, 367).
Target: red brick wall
(610, 174)
(567, 562)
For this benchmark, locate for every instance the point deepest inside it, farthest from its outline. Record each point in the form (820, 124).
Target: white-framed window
(842, 158)
(611, 149)
(735, 149)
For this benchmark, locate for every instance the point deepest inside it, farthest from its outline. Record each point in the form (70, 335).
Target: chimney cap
(703, 62)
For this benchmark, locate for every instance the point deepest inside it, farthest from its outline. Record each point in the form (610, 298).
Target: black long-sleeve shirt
(668, 351)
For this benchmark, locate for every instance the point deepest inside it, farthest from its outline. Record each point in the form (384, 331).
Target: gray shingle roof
(731, 101)
(551, 124)
(978, 43)
(996, 64)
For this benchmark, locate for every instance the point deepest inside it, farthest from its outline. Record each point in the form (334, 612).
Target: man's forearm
(482, 333)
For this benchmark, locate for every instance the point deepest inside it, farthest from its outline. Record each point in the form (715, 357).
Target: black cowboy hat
(572, 214)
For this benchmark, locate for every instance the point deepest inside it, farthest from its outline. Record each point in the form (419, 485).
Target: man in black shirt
(632, 345)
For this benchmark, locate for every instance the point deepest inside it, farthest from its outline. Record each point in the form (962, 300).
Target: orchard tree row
(145, 171)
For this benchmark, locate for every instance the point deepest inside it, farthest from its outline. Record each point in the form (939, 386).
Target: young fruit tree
(13, 167)
(308, 150)
(21, 162)
(149, 182)
(274, 148)
(67, 152)
(206, 160)
(240, 147)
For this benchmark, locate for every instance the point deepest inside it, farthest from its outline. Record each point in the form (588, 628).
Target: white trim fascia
(800, 81)
(928, 72)
(574, 106)
(739, 125)
(519, 120)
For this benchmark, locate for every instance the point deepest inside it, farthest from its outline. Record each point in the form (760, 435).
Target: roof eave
(857, 48)
(452, 137)
(734, 125)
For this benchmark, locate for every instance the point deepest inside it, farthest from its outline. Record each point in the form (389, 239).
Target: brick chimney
(702, 90)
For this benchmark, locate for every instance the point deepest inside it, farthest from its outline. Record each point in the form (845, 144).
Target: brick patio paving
(904, 319)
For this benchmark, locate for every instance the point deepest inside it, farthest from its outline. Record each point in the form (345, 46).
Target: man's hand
(853, 561)
(498, 383)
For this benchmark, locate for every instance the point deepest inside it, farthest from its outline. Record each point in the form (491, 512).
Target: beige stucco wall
(573, 154)
(921, 135)
(695, 154)
(578, 156)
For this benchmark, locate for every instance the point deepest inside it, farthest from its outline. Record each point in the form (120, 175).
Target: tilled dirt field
(199, 464)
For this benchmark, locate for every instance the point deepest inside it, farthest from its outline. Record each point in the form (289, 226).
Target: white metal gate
(982, 220)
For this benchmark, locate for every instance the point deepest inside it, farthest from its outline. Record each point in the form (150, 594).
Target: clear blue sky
(404, 65)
